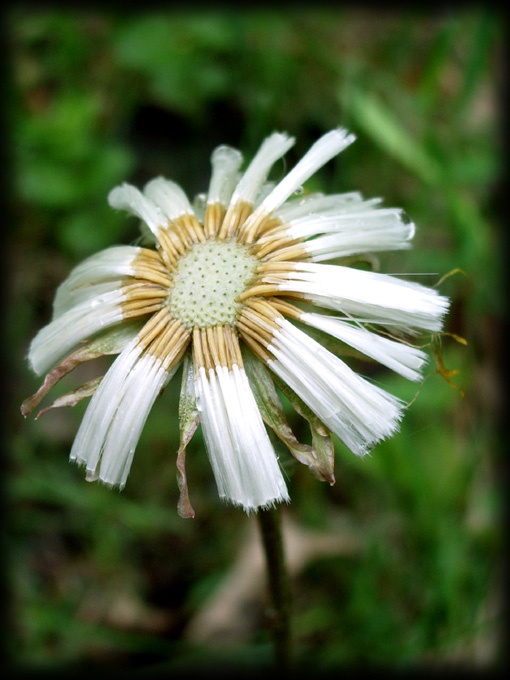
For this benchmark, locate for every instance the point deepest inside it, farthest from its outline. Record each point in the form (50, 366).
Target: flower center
(207, 282)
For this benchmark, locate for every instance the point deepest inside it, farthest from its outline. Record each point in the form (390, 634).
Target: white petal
(317, 203)
(226, 162)
(273, 148)
(129, 198)
(378, 297)
(265, 190)
(107, 265)
(199, 206)
(325, 148)
(67, 298)
(351, 218)
(404, 359)
(242, 457)
(374, 232)
(59, 337)
(116, 415)
(168, 197)
(359, 413)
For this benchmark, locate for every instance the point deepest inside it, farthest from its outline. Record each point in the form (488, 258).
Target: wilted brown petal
(322, 459)
(74, 397)
(319, 456)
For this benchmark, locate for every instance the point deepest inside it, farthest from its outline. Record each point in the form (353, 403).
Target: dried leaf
(188, 423)
(56, 374)
(74, 397)
(316, 457)
(111, 342)
(322, 444)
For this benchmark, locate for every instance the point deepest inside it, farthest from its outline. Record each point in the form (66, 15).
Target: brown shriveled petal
(322, 463)
(56, 374)
(184, 507)
(111, 342)
(188, 423)
(72, 398)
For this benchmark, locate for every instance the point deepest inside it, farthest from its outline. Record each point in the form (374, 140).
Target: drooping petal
(132, 200)
(400, 357)
(168, 197)
(271, 410)
(106, 271)
(242, 457)
(112, 341)
(359, 413)
(111, 263)
(79, 323)
(115, 417)
(68, 297)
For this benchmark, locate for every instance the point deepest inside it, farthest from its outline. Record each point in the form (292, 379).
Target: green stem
(278, 582)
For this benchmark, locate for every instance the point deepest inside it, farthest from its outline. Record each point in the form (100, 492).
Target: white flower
(229, 292)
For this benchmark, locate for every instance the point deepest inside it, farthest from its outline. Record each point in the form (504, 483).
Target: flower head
(237, 290)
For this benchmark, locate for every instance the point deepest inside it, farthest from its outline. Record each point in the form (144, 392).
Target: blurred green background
(399, 565)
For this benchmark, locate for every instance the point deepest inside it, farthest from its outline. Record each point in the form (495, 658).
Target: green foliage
(97, 97)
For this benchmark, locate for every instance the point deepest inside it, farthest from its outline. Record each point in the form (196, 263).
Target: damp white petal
(323, 150)
(375, 234)
(384, 228)
(242, 457)
(67, 298)
(306, 205)
(168, 197)
(113, 422)
(129, 198)
(79, 323)
(273, 148)
(106, 266)
(402, 358)
(382, 298)
(358, 412)
(225, 162)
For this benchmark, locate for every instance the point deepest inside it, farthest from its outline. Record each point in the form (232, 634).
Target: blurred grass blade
(481, 45)
(378, 122)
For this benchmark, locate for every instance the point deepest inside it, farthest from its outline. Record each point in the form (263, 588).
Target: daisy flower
(247, 290)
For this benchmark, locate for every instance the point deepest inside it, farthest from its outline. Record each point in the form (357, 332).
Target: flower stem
(278, 582)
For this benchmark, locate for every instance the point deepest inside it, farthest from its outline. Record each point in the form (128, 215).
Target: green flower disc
(207, 282)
